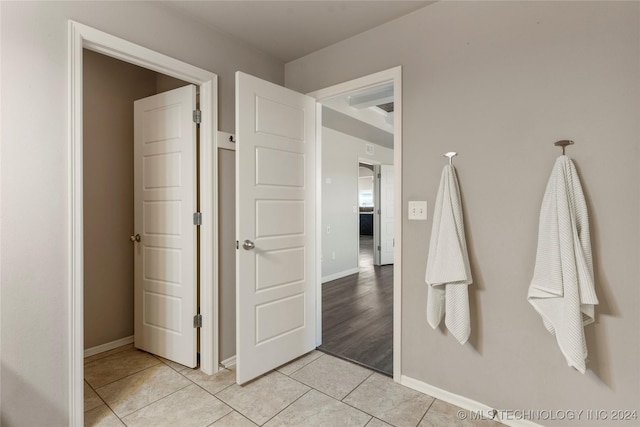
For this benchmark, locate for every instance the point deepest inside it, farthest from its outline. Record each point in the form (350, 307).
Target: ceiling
(292, 29)
(358, 114)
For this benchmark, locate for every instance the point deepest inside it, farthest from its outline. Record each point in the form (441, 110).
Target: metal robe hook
(450, 155)
(563, 143)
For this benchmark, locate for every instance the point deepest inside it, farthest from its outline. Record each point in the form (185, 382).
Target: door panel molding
(165, 282)
(276, 210)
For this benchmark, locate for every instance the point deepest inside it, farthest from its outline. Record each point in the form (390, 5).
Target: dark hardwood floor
(357, 314)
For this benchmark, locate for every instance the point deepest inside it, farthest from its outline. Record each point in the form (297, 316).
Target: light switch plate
(418, 210)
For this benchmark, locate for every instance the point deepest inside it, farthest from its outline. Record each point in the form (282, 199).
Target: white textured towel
(448, 274)
(562, 289)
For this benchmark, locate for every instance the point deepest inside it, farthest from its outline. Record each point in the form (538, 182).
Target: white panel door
(276, 216)
(165, 200)
(386, 214)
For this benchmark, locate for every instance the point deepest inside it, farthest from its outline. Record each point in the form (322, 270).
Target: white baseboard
(340, 274)
(108, 346)
(229, 362)
(461, 401)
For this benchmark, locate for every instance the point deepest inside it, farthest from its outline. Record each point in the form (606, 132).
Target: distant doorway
(358, 230)
(366, 213)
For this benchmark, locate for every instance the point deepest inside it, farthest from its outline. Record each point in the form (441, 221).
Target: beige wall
(499, 82)
(34, 176)
(110, 87)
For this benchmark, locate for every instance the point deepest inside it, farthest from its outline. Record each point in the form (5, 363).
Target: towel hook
(450, 155)
(563, 143)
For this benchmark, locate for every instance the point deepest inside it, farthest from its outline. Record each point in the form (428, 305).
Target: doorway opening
(358, 213)
(279, 250)
(366, 212)
(110, 88)
(81, 39)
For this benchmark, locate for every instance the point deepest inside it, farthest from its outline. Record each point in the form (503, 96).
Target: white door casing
(165, 199)
(387, 217)
(276, 212)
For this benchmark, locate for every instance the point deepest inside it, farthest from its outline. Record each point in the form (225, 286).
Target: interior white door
(386, 214)
(275, 225)
(165, 200)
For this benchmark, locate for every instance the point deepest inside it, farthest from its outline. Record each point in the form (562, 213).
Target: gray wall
(499, 82)
(34, 175)
(340, 156)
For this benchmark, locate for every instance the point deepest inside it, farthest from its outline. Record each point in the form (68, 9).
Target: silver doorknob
(135, 238)
(248, 245)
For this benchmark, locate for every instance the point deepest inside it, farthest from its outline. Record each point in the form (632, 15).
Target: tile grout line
(99, 397)
(160, 362)
(128, 375)
(216, 397)
(155, 401)
(104, 402)
(425, 412)
(242, 415)
(354, 389)
(305, 365)
(233, 409)
(344, 403)
(122, 349)
(340, 400)
(294, 401)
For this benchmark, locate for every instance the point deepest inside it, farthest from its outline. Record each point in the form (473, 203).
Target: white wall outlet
(328, 229)
(328, 180)
(333, 255)
(418, 210)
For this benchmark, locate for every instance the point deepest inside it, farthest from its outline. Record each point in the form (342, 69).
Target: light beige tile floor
(133, 388)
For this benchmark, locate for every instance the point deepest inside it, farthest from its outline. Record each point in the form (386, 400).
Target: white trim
(318, 224)
(394, 75)
(340, 274)
(108, 346)
(223, 141)
(461, 401)
(82, 36)
(227, 363)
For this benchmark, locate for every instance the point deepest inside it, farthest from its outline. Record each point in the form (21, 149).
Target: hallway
(357, 314)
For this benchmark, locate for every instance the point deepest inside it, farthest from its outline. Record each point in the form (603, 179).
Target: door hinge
(378, 247)
(197, 218)
(197, 321)
(197, 116)
(379, 176)
(237, 244)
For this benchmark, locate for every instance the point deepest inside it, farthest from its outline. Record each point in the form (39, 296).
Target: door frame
(376, 232)
(391, 75)
(81, 37)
